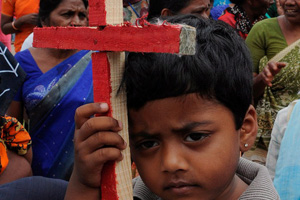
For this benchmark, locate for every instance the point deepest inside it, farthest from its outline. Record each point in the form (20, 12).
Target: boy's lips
(180, 187)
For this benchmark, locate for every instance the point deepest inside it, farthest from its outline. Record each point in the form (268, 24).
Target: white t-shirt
(27, 42)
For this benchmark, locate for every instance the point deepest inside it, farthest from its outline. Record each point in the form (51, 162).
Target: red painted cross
(106, 33)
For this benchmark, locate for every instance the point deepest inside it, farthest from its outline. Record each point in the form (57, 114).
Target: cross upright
(111, 38)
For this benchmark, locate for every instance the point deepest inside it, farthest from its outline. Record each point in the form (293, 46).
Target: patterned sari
(285, 89)
(53, 129)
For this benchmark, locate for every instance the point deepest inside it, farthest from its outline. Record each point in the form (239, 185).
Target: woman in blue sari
(57, 82)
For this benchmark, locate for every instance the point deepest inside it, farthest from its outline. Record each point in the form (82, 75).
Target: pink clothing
(5, 39)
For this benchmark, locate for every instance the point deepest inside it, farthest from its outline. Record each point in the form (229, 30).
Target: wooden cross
(108, 35)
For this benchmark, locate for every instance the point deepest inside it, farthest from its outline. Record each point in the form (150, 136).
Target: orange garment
(14, 137)
(17, 9)
(3, 156)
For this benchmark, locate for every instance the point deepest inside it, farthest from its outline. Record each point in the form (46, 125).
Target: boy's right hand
(96, 141)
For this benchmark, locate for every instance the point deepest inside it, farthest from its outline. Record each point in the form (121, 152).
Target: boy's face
(186, 148)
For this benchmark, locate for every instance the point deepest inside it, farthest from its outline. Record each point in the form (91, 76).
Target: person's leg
(34, 188)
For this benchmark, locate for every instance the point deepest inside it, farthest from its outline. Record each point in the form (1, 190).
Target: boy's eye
(195, 137)
(148, 144)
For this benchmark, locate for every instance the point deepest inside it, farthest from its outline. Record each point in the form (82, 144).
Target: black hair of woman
(156, 6)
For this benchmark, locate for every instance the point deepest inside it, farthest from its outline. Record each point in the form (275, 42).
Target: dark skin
(6, 22)
(265, 78)
(13, 170)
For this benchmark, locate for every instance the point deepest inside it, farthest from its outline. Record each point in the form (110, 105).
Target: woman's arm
(9, 26)
(18, 167)
(16, 110)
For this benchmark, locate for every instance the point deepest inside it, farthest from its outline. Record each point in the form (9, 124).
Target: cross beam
(149, 38)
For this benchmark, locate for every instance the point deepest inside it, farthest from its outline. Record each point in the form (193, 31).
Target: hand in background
(280, 10)
(269, 72)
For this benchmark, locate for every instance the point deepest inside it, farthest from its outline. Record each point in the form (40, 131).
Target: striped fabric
(259, 181)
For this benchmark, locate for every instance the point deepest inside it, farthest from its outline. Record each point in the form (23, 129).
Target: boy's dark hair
(221, 70)
(156, 6)
(47, 6)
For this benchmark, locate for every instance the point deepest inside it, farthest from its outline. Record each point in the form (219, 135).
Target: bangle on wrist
(13, 25)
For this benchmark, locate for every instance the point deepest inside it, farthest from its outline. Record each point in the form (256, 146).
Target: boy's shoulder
(256, 176)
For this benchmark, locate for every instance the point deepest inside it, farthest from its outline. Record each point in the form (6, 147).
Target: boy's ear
(166, 12)
(248, 130)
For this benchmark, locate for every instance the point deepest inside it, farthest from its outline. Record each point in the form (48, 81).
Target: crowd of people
(220, 124)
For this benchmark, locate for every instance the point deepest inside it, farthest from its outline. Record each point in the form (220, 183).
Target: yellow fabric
(17, 9)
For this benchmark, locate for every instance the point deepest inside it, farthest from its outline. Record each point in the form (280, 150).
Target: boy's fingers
(103, 155)
(103, 140)
(83, 113)
(108, 154)
(97, 124)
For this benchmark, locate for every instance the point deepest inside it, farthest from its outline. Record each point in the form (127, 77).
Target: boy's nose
(173, 160)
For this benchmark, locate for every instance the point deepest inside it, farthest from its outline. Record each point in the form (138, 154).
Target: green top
(265, 39)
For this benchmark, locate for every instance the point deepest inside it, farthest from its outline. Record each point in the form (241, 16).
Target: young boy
(189, 119)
